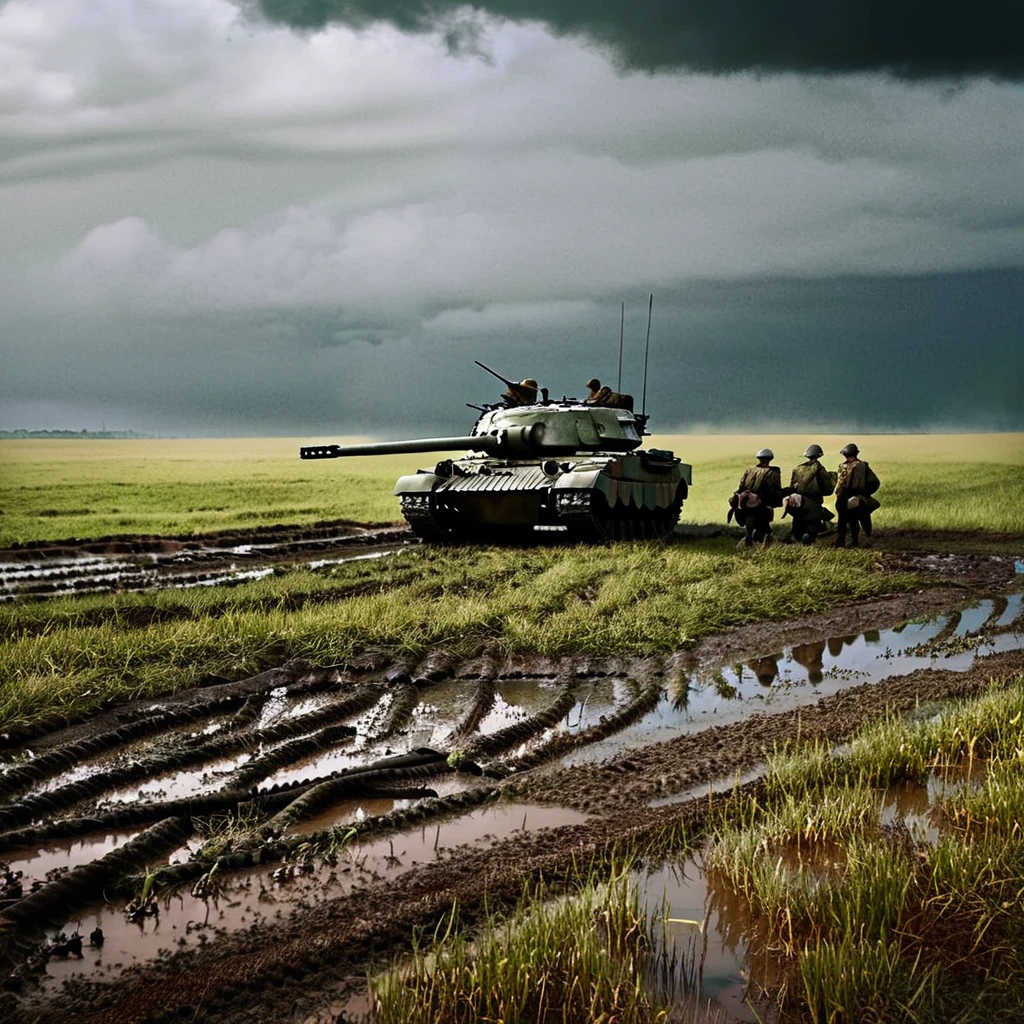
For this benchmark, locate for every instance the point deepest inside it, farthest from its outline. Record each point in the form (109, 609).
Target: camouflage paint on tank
(554, 464)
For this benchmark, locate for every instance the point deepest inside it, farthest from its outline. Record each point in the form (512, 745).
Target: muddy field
(248, 850)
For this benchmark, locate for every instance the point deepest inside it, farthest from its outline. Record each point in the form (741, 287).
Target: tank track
(589, 519)
(419, 514)
(585, 513)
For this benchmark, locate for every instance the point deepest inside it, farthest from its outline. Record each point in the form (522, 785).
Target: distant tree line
(12, 435)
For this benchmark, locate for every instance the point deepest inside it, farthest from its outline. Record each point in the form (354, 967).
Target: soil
(599, 737)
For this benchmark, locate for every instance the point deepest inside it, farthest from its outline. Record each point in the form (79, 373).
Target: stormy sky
(309, 217)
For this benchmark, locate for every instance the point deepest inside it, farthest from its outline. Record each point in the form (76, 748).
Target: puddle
(206, 778)
(319, 563)
(255, 896)
(93, 573)
(714, 925)
(65, 854)
(710, 933)
(804, 673)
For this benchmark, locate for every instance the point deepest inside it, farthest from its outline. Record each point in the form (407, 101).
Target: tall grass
(874, 923)
(581, 958)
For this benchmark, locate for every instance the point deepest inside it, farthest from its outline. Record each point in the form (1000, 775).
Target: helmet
(849, 449)
(765, 453)
(814, 451)
(593, 384)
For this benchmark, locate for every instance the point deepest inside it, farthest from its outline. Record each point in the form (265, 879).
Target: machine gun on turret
(523, 392)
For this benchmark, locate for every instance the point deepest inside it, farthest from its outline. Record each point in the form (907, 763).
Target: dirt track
(622, 741)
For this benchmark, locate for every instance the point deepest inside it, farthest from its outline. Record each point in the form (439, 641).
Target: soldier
(605, 396)
(758, 494)
(809, 485)
(598, 395)
(855, 486)
(523, 393)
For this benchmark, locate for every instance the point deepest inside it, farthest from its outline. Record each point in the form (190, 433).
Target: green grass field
(72, 655)
(55, 489)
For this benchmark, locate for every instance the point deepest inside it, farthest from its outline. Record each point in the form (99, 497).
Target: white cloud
(178, 160)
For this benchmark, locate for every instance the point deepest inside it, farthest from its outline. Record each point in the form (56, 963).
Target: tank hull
(595, 497)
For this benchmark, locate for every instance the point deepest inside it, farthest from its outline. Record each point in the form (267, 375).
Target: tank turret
(521, 433)
(564, 465)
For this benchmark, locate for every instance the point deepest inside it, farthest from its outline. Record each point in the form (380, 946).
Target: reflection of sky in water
(680, 891)
(804, 673)
(348, 752)
(733, 955)
(69, 853)
(500, 715)
(598, 701)
(207, 778)
(438, 714)
(252, 896)
(82, 575)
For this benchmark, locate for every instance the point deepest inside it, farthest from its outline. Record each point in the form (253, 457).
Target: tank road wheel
(666, 519)
(425, 519)
(594, 521)
(587, 517)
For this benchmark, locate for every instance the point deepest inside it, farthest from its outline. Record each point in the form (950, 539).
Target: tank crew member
(598, 395)
(523, 393)
(809, 485)
(855, 485)
(758, 494)
(605, 396)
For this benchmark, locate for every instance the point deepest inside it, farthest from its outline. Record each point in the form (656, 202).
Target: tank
(548, 465)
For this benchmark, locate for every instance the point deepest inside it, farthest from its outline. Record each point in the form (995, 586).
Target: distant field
(53, 489)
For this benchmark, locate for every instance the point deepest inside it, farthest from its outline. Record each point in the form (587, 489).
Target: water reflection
(796, 676)
(766, 670)
(811, 657)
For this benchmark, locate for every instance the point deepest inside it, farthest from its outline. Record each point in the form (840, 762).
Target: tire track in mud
(329, 947)
(104, 565)
(467, 722)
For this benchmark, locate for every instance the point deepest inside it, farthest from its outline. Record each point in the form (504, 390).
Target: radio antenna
(647, 349)
(622, 326)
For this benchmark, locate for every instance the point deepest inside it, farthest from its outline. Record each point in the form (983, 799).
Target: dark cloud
(908, 38)
(930, 352)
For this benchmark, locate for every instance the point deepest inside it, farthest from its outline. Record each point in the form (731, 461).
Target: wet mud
(219, 559)
(249, 849)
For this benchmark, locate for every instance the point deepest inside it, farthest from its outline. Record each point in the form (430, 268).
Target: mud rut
(287, 804)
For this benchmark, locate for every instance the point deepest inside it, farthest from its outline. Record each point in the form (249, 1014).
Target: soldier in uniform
(523, 393)
(809, 485)
(598, 395)
(603, 395)
(855, 485)
(759, 493)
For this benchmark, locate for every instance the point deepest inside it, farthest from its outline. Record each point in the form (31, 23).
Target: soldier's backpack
(808, 480)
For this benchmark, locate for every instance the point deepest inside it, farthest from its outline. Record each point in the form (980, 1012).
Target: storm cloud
(904, 37)
(216, 221)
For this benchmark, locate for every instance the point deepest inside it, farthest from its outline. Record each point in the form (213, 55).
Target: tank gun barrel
(516, 441)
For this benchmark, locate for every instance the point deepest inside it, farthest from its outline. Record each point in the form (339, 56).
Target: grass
(70, 656)
(55, 489)
(874, 923)
(581, 958)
